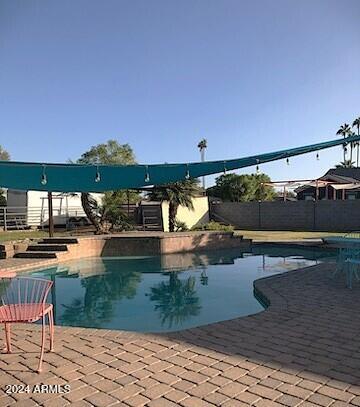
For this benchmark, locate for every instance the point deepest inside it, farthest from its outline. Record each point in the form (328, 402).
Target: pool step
(47, 247)
(59, 240)
(36, 255)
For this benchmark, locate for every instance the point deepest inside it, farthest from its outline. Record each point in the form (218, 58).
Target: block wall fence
(326, 215)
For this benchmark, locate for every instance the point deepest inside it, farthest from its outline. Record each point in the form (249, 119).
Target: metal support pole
(259, 214)
(128, 202)
(5, 220)
(51, 218)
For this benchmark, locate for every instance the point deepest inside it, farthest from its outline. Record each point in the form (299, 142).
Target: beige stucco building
(198, 216)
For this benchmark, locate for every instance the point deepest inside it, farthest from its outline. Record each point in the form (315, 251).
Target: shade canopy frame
(106, 177)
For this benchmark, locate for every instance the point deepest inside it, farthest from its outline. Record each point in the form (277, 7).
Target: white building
(31, 207)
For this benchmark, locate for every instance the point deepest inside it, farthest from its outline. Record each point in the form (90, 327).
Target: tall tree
(177, 193)
(110, 152)
(356, 123)
(242, 188)
(345, 131)
(4, 156)
(202, 146)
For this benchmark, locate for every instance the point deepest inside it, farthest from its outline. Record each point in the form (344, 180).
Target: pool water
(169, 292)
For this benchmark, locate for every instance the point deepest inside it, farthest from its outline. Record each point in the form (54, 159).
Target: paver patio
(303, 350)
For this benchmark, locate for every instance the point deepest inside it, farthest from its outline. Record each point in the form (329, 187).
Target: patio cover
(322, 184)
(346, 186)
(99, 178)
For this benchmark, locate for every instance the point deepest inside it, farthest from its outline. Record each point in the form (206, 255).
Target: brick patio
(303, 350)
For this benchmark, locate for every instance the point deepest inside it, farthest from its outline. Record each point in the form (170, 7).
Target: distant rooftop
(346, 173)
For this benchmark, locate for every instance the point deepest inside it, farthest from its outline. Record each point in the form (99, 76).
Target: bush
(180, 226)
(117, 218)
(215, 226)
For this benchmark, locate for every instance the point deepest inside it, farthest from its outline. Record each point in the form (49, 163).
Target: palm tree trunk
(172, 216)
(357, 144)
(88, 209)
(173, 279)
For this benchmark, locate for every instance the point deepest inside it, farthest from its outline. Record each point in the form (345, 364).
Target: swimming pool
(169, 292)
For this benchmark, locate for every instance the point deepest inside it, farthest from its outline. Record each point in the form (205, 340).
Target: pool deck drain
(304, 350)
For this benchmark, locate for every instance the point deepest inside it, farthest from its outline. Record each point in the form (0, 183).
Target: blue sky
(249, 76)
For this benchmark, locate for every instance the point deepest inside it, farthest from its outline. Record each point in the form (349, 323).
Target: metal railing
(18, 217)
(21, 217)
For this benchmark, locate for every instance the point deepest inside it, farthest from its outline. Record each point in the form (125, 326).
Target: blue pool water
(166, 293)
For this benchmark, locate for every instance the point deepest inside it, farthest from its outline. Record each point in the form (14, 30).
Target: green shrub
(117, 218)
(180, 226)
(215, 226)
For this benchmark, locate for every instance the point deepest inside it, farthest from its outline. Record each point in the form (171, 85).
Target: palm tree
(4, 156)
(92, 211)
(345, 131)
(97, 305)
(352, 144)
(177, 193)
(345, 164)
(356, 123)
(176, 300)
(202, 146)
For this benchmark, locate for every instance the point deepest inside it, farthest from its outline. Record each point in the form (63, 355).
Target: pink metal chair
(23, 300)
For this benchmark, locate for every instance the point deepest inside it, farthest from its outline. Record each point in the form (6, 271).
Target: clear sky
(249, 76)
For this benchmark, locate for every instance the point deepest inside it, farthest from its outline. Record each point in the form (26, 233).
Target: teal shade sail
(100, 178)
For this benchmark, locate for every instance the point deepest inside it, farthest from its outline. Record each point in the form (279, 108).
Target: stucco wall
(198, 216)
(325, 215)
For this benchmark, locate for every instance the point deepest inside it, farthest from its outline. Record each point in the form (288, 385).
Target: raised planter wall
(157, 244)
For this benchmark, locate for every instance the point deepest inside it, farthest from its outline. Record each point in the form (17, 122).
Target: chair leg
(51, 328)
(8, 337)
(43, 334)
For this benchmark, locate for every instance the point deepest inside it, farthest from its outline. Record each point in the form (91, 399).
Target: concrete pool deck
(302, 350)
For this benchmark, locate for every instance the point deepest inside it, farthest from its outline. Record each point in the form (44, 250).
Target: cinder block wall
(338, 215)
(326, 215)
(287, 215)
(245, 214)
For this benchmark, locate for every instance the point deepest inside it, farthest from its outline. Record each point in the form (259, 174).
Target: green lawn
(26, 234)
(248, 234)
(284, 235)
